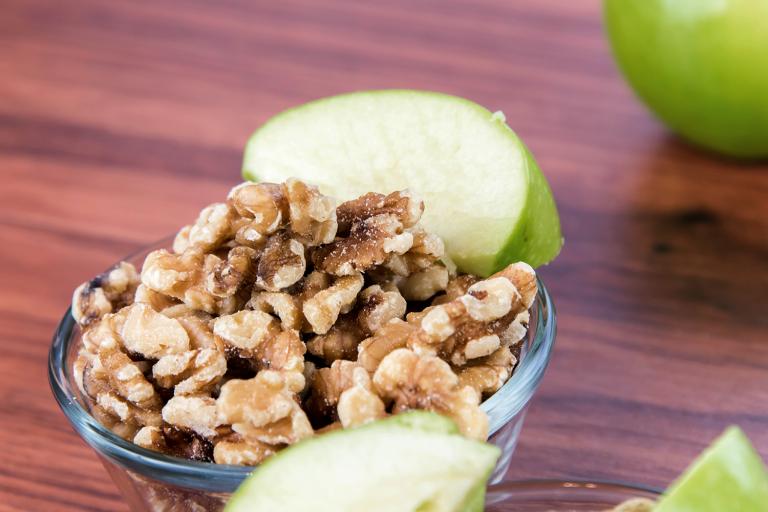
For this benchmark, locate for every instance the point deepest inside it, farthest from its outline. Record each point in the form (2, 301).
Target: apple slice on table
(484, 194)
(728, 476)
(413, 462)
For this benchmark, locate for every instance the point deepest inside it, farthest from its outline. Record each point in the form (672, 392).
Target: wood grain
(119, 120)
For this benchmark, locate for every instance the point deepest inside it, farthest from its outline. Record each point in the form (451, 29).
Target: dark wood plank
(118, 121)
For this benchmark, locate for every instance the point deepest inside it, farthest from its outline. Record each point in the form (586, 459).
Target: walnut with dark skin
(282, 263)
(105, 293)
(229, 275)
(340, 342)
(402, 205)
(369, 243)
(325, 390)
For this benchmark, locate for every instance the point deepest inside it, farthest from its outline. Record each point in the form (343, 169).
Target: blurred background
(120, 120)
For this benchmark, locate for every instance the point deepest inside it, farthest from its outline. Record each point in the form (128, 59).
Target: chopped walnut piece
(196, 413)
(157, 300)
(126, 411)
(282, 304)
(409, 381)
(403, 205)
(426, 251)
(523, 277)
(282, 352)
(340, 342)
(104, 293)
(369, 243)
(359, 404)
(312, 215)
(516, 331)
(393, 335)
(450, 332)
(323, 309)
(377, 307)
(183, 277)
(240, 452)
(264, 408)
(126, 378)
(487, 374)
(171, 369)
(181, 240)
(263, 203)
(490, 299)
(152, 334)
(281, 264)
(103, 332)
(248, 235)
(170, 274)
(215, 224)
(471, 325)
(179, 442)
(229, 275)
(178, 311)
(200, 332)
(80, 368)
(482, 346)
(327, 386)
(424, 284)
(193, 372)
(457, 286)
(151, 438)
(245, 330)
(123, 428)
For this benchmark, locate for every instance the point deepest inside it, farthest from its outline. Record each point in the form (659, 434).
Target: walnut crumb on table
(280, 315)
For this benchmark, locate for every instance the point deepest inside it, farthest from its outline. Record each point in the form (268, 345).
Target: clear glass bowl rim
(539, 490)
(501, 407)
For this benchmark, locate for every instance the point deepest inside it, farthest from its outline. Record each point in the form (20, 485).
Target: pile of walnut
(279, 314)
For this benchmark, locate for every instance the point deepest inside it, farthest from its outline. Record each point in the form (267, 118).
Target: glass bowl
(563, 496)
(152, 481)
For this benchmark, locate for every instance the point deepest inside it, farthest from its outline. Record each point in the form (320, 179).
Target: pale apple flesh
(484, 194)
(399, 464)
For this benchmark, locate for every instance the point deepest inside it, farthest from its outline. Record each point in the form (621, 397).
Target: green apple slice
(484, 194)
(728, 476)
(402, 464)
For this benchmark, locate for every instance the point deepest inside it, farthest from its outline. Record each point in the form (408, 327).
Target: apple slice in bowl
(484, 194)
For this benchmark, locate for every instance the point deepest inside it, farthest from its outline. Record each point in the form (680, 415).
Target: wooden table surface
(120, 120)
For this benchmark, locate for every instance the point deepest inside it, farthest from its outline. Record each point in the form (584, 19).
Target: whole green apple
(700, 65)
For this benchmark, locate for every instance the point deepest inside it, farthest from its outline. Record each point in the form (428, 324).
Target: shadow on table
(699, 233)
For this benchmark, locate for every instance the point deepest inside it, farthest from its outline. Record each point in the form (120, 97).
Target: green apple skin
(728, 476)
(700, 65)
(411, 462)
(484, 193)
